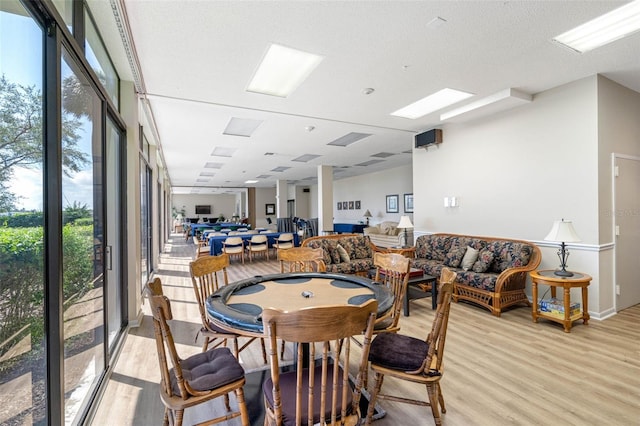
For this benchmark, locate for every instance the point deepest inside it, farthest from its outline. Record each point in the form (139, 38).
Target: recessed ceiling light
(368, 90)
(500, 101)
(241, 127)
(604, 29)
(251, 181)
(282, 70)
(431, 103)
(382, 155)
(369, 163)
(211, 165)
(306, 157)
(221, 151)
(349, 138)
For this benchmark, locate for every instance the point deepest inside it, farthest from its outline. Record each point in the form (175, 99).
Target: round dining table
(238, 306)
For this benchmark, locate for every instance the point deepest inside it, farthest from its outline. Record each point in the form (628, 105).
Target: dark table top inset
(239, 305)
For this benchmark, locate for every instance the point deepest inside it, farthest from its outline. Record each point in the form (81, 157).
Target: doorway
(626, 190)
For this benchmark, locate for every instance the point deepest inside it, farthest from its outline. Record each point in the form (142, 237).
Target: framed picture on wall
(350, 205)
(270, 209)
(339, 205)
(408, 203)
(358, 205)
(392, 203)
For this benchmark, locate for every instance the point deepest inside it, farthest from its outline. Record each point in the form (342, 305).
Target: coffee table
(416, 289)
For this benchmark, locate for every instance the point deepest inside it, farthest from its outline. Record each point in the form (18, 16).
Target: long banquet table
(215, 242)
(200, 227)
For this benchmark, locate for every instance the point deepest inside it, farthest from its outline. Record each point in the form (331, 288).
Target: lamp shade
(562, 231)
(405, 223)
(367, 214)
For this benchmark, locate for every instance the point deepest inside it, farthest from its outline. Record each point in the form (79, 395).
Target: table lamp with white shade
(367, 214)
(562, 232)
(405, 223)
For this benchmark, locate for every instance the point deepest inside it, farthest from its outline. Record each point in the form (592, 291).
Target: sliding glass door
(82, 240)
(23, 362)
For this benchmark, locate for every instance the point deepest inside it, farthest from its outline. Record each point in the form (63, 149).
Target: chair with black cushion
(392, 270)
(197, 379)
(208, 275)
(234, 246)
(412, 359)
(322, 393)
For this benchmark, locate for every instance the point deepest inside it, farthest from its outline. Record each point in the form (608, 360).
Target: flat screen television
(203, 209)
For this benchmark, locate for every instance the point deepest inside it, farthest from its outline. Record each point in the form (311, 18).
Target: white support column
(282, 191)
(325, 198)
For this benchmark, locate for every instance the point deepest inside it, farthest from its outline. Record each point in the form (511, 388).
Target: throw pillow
(485, 258)
(331, 247)
(454, 257)
(344, 256)
(470, 257)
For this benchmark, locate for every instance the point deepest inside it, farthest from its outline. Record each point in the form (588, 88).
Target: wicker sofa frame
(510, 284)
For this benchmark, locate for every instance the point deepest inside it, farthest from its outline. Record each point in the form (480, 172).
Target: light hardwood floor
(499, 371)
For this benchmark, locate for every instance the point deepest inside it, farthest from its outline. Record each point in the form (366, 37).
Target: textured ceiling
(197, 58)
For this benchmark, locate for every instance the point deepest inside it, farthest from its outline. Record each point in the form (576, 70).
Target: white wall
(371, 190)
(618, 133)
(220, 204)
(516, 172)
(303, 202)
(264, 196)
(129, 111)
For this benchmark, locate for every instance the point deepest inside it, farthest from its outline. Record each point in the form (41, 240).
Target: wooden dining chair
(301, 259)
(258, 244)
(392, 270)
(197, 379)
(284, 241)
(234, 247)
(202, 246)
(412, 359)
(208, 275)
(317, 391)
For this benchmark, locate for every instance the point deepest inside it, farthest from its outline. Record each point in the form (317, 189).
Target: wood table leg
(585, 306)
(567, 309)
(534, 291)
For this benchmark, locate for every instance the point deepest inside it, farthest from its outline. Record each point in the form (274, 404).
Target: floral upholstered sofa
(344, 253)
(492, 272)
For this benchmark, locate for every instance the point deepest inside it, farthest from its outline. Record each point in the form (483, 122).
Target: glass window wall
(22, 350)
(82, 239)
(98, 58)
